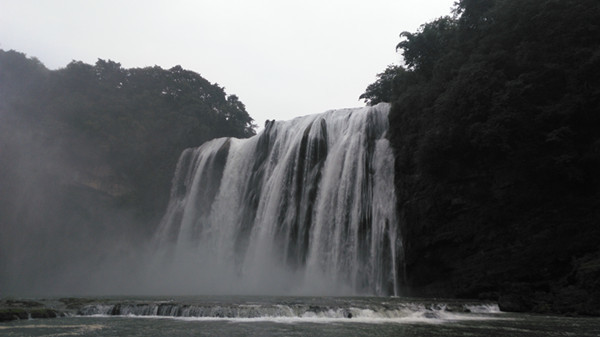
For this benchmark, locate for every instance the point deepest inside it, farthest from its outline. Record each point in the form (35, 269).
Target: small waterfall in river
(307, 206)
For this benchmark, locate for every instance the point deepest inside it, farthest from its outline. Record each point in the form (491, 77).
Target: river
(297, 316)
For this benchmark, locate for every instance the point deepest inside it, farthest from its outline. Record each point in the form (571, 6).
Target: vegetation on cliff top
(495, 125)
(125, 125)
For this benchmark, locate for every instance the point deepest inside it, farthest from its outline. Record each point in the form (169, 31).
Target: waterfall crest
(307, 206)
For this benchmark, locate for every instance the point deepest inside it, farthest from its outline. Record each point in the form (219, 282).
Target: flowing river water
(297, 316)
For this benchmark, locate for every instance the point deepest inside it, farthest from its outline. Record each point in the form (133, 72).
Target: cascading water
(305, 207)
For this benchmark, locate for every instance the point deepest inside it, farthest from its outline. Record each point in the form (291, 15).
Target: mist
(89, 156)
(59, 235)
(63, 238)
(285, 212)
(84, 179)
(64, 235)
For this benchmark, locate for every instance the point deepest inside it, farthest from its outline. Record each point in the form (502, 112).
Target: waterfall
(307, 206)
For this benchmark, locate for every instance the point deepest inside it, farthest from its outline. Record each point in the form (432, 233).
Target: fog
(68, 222)
(60, 237)
(57, 235)
(64, 234)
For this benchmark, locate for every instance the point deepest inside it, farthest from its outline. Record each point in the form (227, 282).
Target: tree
(134, 122)
(424, 48)
(494, 125)
(382, 90)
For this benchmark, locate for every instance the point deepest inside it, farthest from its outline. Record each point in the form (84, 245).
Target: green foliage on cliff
(495, 125)
(121, 127)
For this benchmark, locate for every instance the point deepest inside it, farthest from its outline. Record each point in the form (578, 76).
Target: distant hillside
(89, 151)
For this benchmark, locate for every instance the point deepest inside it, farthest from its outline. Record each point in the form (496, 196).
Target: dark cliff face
(541, 259)
(497, 145)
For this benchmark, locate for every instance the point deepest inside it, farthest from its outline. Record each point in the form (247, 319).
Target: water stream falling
(307, 206)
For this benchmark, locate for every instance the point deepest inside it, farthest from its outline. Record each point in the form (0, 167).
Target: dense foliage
(125, 125)
(496, 128)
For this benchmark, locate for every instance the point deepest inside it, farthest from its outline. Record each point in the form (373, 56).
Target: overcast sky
(283, 58)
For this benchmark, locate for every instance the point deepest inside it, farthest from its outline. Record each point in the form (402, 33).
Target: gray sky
(283, 58)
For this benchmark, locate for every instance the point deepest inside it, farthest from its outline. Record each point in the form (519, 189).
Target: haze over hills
(88, 154)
